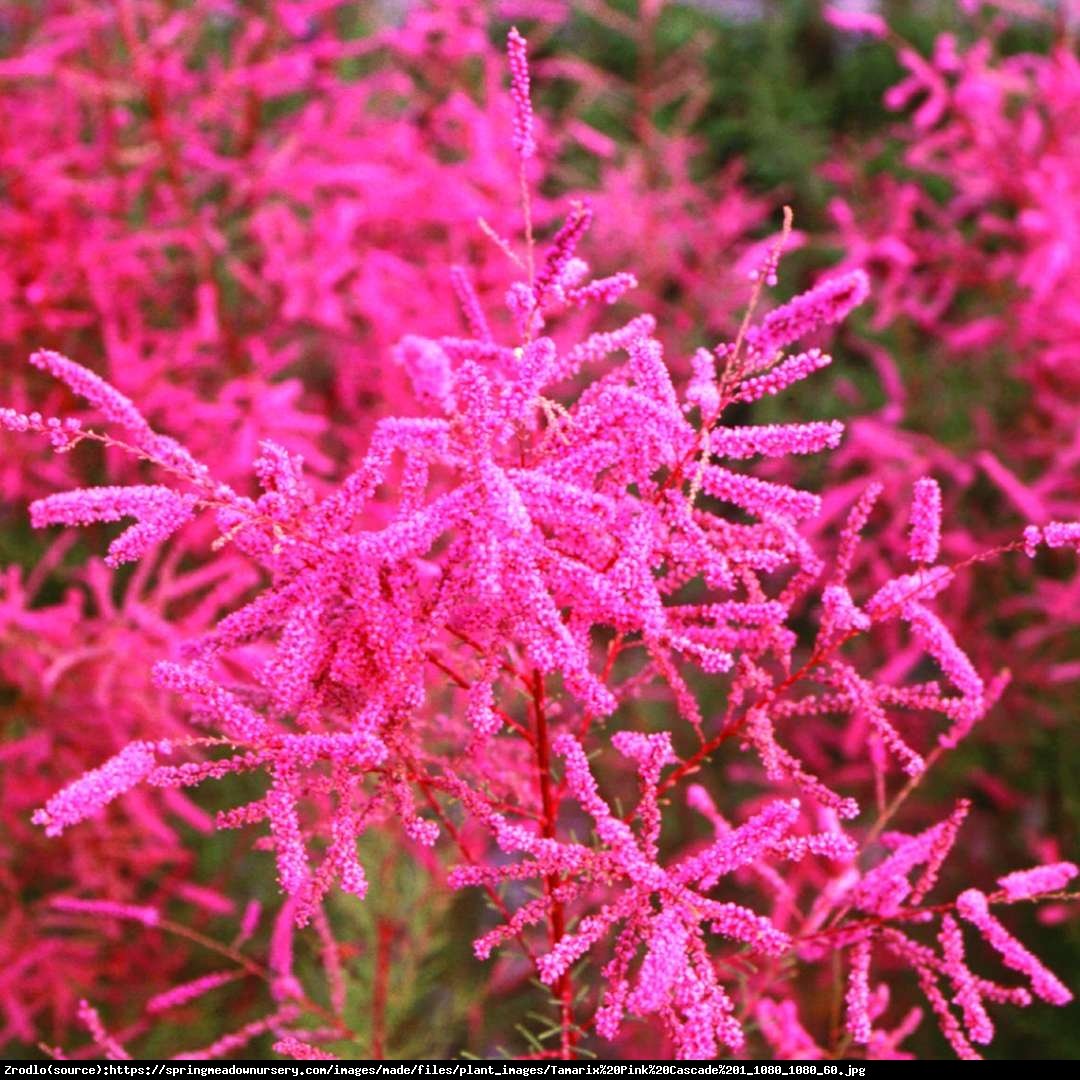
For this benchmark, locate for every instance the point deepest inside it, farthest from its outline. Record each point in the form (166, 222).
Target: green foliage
(412, 978)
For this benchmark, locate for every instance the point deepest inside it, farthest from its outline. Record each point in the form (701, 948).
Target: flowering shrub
(973, 282)
(548, 592)
(975, 251)
(182, 184)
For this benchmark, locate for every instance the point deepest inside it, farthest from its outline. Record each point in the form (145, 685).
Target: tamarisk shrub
(229, 213)
(556, 584)
(974, 274)
(186, 183)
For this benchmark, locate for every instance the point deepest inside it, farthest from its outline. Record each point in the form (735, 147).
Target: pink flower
(524, 143)
(925, 522)
(973, 907)
(856, 21)
(96, 789)
(1024, 884)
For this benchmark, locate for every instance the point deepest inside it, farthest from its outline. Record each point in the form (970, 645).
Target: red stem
(563, 988)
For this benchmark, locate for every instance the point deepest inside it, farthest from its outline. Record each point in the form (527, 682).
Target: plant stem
(563, 989)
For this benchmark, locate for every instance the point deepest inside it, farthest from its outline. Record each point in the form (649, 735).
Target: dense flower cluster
(554, 573)
(233, 216)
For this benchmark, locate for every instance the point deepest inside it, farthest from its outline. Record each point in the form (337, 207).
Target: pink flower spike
(148, 916)
(190, 991)
(935, 637)
(291, 1047)
(925, 522)
(249, 921)
(973, 907)
(966, 986)
(857, 997)
(470, 304)
(113, 406)
(776, 440)
(789, 1040)
(854, 21)
(1025, 884)
(785, 374)
(102, 1039)
(824, 305)
(517, 51)
(159, 512)
(1062, 534)
(97, 788)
